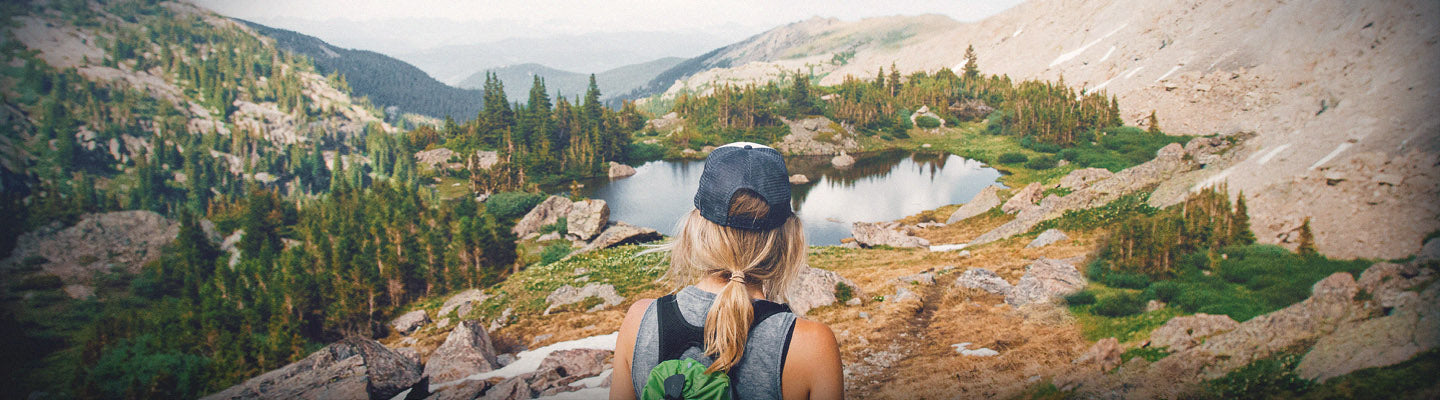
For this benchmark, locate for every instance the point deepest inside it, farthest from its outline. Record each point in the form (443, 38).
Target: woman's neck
(714, 284)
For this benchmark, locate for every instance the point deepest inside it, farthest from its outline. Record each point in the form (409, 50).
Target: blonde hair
(771, 257)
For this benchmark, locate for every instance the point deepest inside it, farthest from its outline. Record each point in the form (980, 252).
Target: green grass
(1118, 148)
(1100, 217)
(452, 188)
(1275, 377)
(1128, 328)
(622, 267)
(1251, 281)
(1151, 354)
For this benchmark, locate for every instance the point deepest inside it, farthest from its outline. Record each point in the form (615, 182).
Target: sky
(396, 26)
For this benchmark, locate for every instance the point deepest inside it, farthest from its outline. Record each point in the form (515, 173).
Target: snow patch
(1072, 54)
(1098, 87)
(582, 394)
(1017, 31)
(1107, 54)
(948, 247)
(1338, 149)
(1167, 73)
(529, 360)
(1132, 72)
(1266, 158)
(1212, 180)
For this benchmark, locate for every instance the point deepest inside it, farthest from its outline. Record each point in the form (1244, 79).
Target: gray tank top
(757, 376)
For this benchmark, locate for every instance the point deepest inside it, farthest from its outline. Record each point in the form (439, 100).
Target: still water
(879, 187)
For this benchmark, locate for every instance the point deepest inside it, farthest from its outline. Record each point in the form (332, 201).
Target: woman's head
(742, 231)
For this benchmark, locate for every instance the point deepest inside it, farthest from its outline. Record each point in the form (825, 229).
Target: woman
(739, 246)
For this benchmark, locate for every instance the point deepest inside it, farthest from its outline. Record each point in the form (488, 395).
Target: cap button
(747, 147)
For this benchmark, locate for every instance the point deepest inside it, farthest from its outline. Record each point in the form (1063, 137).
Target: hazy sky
(490, 20)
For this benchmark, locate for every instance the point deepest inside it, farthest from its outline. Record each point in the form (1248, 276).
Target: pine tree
(1307, 240)
(972, 70)
(894, 81)
(1154, 123)
(799, 96)
(1242, 233)
(880, 78)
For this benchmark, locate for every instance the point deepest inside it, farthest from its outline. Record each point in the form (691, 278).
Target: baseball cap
(744, 165)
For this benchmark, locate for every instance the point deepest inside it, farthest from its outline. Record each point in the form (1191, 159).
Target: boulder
(1105, 354)
(511, 389)
(461, 303)
(1329, 305)
(578, 362)
(1045, 280)
(484, 159)
(666, 123)
(903, 293)
(434, 158)
(963, 349)
(987, 199)
(983, 279)
(467, 351)
(842, 161)
(464, 390)
(1024, 199)
(620, 233)
(814, 287)
(1412, 327)
(1084, 177)
(1154, 305)
(1385, 277)
(567, 295)
(353, 368)
(587, 218)
(1182, 333)
(870, 234)
(799, 179)
(1431, 251)
(1046, 238)
(618, 170)
(545, 213)
(409, 322)
(816, 136)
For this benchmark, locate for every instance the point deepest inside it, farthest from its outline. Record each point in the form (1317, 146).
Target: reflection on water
(879, 187)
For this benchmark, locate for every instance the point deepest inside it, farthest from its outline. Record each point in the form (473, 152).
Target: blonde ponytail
(771, 258)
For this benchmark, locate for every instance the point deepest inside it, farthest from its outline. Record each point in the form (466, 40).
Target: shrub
(561, 225)
(640, 152)
(1125, 280)
(1042, 163)
(512, 205)
(1265, 378)
(39, 282)
(1069, 155)
(927, 122)
(1118, 305)
(843, 292)
(1151, 354)
(1084, 297)
(554, 252)
(1012, 158)
(1165, 291)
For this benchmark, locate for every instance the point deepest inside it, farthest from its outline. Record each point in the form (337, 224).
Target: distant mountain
(385, 80)
(613, 83)
(585, 54)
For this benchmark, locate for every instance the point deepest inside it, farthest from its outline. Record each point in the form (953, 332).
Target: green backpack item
(679, 377)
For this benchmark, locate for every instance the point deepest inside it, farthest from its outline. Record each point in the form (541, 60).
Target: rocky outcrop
(578, 362)
(1046, 238)
(461, 303)
(1185, 332)
(435, 158)
(467, 351)
(665, 124)
(870, 234)
(816, 136)
(799, 179)
(620, 233)
(1411, 327)
(618, 170)
(567, 295)
(1045, 280)
(1023, 199)
(545, 213)
(126, 239)
(987, 199)
(983, 279)
(923, 278)
(842, 161)
(1431, 251)
(409, 322)
(1105, 354)
(353, 368)
(814, 287)
(587, 218)
(1084, 177)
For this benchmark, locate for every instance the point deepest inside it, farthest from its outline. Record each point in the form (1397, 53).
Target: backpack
(678, 377)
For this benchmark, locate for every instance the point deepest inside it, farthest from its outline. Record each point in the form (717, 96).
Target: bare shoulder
(812, 337)
(631, 324)
(819, 375)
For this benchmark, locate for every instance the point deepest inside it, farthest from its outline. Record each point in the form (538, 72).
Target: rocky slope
(1339, 94)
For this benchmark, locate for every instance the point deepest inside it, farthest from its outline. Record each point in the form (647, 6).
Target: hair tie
(737, 277)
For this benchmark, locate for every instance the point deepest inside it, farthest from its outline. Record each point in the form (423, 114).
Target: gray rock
(798, 179)
(1045, 280)
(983, 279)
(567, 294)
(903, 293)
(1105, 354)
(805, 137)
(353, 368)
(1431, 251)
(925, 278)
(484, 159)
(465, 390)
(409, 322)
(869, 234)
(963, 349)
(545, 213)
(462, 302)
(855, 301)
(578, 362)
(1046, 238)
(587, 218)
(511, 389)
(1084, 177)
(842, 161)
(1182, 333)
(1154, 305)
(620, 233)
(618, 170)
(467, 351)
(1023, 199)
(814, 287)
(987, 199)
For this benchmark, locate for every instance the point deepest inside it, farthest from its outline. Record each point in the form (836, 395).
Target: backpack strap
(678, 335)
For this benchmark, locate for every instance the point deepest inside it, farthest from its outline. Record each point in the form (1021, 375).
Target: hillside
(613, 83)
(583, 53)
(1337, 93)
(386, 81)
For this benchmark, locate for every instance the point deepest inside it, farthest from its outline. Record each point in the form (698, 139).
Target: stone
(620, 233)
(587, 218)
(983, 279)
(853, 302)
(1329, 305)
(409, 322)
(1409, 330)
(842, 161)
(1023, 199)
(353, 368)
(987, 199)
(484, 159)
(1385, 277)
(567, 295)
(1045, 280)
(465, 390)
(466, 351)
(814, 287)
(816, 136)
(924, 278)
(1084, 177)
(545, 213)
(1046, 238)
(799, 179)
(618, 170)
(434, 158)
(511, 389)
(1154, 305)
(1185, 332)
(903, 293)
(1431, 251)
(548, 237)
(963, 349)
(870, 234)
(462, 302)
(1105, 354)
(578, 362)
